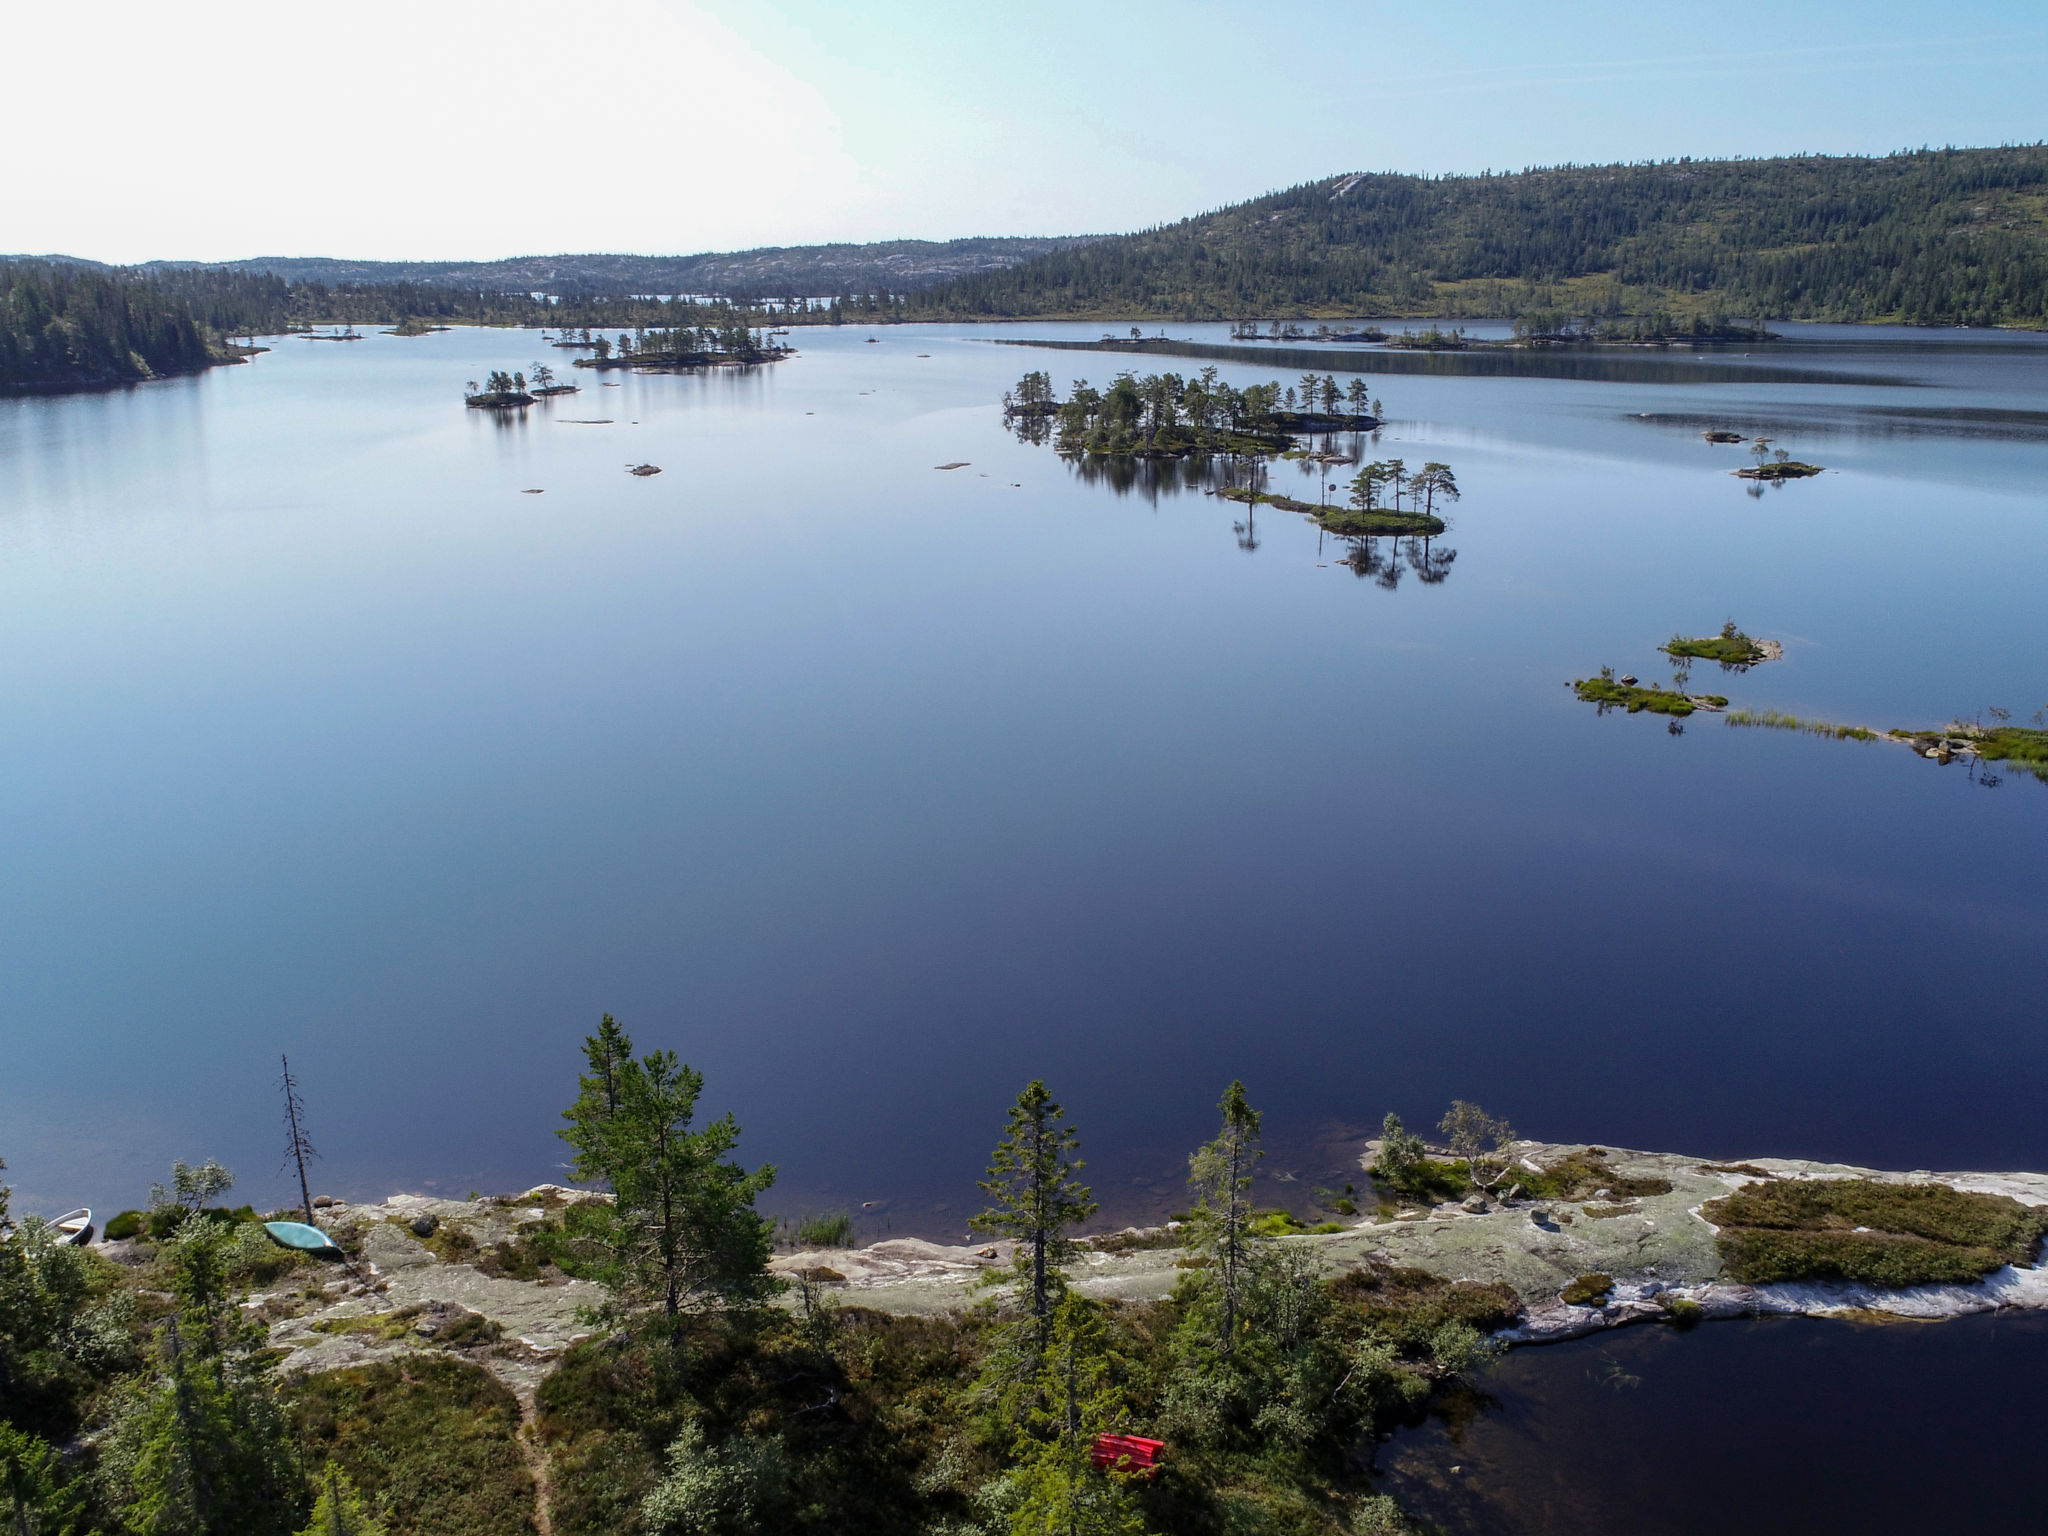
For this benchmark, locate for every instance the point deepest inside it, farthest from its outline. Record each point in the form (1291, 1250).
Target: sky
(448, 129)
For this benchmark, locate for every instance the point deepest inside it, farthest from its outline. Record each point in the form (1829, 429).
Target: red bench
(1129, 1453)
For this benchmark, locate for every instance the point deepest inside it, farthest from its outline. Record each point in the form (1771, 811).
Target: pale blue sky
(682, 125)
(1118, 113)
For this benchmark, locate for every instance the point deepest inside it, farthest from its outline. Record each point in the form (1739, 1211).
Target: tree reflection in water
(1385, 559)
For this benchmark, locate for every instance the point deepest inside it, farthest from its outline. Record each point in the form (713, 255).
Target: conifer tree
(1064, 1492)
(682, 1224)
(1221, 1175)
(35, 1499)
(339, 1510)
(1036, 1197)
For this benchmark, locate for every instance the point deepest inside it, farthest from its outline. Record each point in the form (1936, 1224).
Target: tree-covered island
(1166, 416)
(679, 348)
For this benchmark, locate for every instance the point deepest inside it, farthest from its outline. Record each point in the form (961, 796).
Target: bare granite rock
(535, 1321)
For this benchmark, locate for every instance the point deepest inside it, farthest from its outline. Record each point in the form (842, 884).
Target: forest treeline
(66, 325)
(1948, 237)
(69, 326)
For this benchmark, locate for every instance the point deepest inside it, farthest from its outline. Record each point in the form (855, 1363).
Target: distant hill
(1955, 236)
(804, 271)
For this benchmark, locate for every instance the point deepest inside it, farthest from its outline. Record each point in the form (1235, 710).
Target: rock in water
(643, 470)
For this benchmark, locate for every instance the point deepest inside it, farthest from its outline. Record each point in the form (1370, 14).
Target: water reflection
(1384, 559)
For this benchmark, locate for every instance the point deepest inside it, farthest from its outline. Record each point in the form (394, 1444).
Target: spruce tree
(1064, 1492)
(35, 1499)
(1036, 1198)
(1221, 1176)
(339, 1510)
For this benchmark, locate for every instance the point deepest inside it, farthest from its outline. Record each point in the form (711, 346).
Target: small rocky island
(1735, 651)
(1627, 693)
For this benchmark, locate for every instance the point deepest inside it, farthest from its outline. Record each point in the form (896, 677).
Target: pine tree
(682, 1224)
(1037, 1199)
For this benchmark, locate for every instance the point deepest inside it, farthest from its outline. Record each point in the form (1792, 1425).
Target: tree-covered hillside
(1935, 237)
(62, 327)
(768, 272)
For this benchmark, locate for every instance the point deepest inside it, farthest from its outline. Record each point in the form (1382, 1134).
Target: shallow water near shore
(875, 789)
(1779, 1426)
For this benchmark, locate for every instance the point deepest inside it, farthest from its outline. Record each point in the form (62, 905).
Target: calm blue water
(1781, 1428)
(875, 790)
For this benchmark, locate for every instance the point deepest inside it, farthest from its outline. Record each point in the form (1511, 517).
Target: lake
(1780, 1428)
(876, 789)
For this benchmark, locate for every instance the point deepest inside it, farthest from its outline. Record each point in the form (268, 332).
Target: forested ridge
(67, 326)
(1956, 236)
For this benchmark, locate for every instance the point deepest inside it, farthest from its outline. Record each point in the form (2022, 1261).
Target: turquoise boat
(296, 1234)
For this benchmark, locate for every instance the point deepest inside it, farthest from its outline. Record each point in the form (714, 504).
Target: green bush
(124, 1226)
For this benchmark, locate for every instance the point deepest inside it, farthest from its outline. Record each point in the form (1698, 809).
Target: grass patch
(1772, 720)
(1432, 1181)
(126, 1225)
(1871, 1232)
(428, 1439)
(1287, 1224)
(833, 1229)
(377, 1325)
(1588, 1291)
(1682, 1312)
(1583, 1175)
(1610, 693)
(2015, 744)
(1748, 1169)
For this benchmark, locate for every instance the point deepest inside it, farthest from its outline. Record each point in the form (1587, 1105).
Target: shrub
(1582, 1174)
(735, 1488)
(1682, 1312)
(124, 1226)
(430, 1440)
(1409, 1306)
(1871, 1232)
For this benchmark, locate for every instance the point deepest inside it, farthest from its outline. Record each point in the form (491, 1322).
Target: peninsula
(586, 1360)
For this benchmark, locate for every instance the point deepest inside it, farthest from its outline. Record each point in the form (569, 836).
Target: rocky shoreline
(1657, 1249)
(429, 1273)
